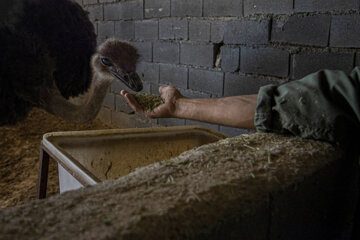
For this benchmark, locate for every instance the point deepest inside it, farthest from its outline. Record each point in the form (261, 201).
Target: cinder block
(79, 2)
(95, 12)
(267, 61)
(95, 27)
(171, 122)
(147, 30)
(186, 8)
(148, 72)
(173, 29)
(109, 101)
(107, 1)
(157, 8)
(345, 31)
(121, 105)
(116, 87)
(125, 10)
(173, 75)
(239, 84)
(86, 2)
(194, 94)
(230, 58)
(199, 30)
(217, 31)
(198, 55)
(222, 8)
(207, 81)
(268, 6)
(105, 30)
(125, 30)
(154, 88)
(166, 52)
(144, 50)
(324, 5)
(232, 132)
(306, 63)
(305, 30)
(204, 124)
(146, 87)
(247, 32)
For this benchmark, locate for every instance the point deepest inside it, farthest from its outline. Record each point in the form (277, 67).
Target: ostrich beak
(131, 80)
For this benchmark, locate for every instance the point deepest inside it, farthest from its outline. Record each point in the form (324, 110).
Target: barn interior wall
(219, 48)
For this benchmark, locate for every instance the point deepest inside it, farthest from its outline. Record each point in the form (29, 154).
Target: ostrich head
(112, 60)
(116, 59)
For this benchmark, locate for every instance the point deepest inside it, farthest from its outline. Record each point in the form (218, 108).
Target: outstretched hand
(169, 94)
(235, 111)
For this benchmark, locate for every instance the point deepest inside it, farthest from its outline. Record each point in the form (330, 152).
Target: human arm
(324, 105)
(236, 111)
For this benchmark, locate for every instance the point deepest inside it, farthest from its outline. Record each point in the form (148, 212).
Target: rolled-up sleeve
(324, 105)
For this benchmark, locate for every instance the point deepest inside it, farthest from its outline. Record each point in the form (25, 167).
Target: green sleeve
(324, 105)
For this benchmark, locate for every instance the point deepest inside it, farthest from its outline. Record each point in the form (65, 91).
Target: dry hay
(186, 197)
(19, 155)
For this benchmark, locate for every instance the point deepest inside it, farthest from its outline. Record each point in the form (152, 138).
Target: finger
(161, 89)
(133, 103)
(123, 92)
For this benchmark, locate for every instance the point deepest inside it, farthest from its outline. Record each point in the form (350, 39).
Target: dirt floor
(19, 155)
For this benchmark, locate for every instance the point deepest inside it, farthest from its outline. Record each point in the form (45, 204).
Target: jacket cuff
(263, 113)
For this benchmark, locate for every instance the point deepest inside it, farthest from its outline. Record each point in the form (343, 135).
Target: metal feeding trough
(88, 157)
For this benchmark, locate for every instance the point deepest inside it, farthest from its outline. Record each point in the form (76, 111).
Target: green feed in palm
(148, 101)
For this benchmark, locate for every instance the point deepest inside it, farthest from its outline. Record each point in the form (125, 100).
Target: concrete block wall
(217, 48)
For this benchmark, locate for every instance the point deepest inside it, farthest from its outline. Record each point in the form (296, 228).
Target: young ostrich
(49, 54)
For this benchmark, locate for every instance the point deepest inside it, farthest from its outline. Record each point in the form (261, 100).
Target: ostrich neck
(58, 105)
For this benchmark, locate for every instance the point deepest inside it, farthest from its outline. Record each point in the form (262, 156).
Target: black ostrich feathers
(42, 42)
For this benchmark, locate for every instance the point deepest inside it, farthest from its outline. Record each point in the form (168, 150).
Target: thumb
(161, 89)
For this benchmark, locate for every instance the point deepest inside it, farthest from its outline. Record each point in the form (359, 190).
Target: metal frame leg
(43, 173)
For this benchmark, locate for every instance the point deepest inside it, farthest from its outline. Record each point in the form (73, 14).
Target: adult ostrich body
(49, 54)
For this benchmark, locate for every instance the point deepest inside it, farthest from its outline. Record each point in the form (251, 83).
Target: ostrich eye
(106, 62)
